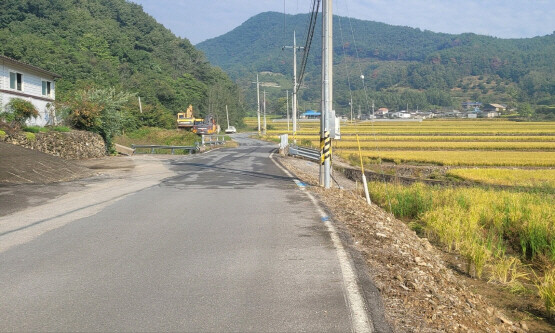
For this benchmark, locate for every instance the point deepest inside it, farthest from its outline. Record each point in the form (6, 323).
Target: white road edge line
(359, 317)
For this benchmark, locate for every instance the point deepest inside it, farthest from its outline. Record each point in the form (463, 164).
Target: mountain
(114, 43)
(401, 65)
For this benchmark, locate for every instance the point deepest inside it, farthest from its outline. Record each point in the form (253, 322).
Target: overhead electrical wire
(308, 43)
(382, 172)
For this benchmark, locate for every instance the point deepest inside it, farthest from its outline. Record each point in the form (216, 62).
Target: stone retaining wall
(74, 145)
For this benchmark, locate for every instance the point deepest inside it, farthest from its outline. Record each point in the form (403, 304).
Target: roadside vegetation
(505, 235)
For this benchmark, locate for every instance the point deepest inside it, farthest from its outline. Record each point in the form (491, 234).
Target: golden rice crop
(450, 145)
(462, 158)
(427, 138)
(509, 177)
(478, 223)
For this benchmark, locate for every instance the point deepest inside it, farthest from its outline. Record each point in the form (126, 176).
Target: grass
(157, 136)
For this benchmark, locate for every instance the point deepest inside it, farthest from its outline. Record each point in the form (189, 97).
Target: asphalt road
(228, 242)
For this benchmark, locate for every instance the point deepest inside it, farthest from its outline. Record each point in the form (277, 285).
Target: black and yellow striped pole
(325, 148)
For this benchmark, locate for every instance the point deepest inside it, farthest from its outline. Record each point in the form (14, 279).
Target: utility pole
(351, 105)
(140, 105)
(258, 101)
(373, 115)
(264, 132)
(327, 92)
(227, 116)
(294, 106)
(287, 91)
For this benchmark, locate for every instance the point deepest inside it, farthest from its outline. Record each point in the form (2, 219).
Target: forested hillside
(401, 65)
(115, 44)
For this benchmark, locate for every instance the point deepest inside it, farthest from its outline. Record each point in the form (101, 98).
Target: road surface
(219, 242)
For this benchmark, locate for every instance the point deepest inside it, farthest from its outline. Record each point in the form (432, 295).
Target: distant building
(471, 105)
(311, 114)
(401, 114)
(495, 107)
(381, 112)
(33, 84)
(489, 114)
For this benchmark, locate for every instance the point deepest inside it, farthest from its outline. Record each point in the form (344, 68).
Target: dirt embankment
(420, 290)
(74, 145)
(44, 158)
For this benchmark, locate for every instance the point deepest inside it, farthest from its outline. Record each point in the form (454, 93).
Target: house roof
(35, 68)
(311, 113)
(497, 106)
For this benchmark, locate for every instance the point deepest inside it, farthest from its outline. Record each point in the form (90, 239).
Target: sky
(198, 20)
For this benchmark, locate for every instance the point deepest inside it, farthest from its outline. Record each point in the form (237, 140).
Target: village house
(31, 83)
(495, 107)
(381, 112)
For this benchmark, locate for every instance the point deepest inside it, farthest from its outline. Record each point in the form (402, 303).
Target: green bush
(2, 134)
(99, 110)
(30, 136)
(22, 110)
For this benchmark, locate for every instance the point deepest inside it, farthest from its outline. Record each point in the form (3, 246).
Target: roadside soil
(424, 289)
(30, 178)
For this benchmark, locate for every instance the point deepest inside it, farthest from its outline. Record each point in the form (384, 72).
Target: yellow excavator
(186, 120)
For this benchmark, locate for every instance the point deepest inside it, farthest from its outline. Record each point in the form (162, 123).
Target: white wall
(32, 85)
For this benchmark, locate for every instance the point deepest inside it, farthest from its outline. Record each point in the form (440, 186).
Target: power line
(309, 36)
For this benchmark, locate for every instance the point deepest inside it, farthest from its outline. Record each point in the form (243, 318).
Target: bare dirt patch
(421, 288)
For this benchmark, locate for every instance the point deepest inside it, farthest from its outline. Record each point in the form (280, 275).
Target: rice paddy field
(507, 235)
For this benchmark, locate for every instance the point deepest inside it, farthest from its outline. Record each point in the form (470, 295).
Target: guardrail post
(202, 139)
(152, 150)
(172, 150)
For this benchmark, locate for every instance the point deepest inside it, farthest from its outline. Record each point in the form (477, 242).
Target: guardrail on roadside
(308, 153)
(191, 149)
(212, 140)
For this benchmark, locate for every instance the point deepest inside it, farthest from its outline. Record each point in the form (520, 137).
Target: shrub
(100, 111)
(21, 110)
(30, 136)
(2, 134)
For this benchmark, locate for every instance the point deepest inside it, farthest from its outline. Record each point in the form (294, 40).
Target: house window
(47, 88)
(16, 81)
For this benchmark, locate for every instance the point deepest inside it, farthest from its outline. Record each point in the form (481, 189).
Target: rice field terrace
(506, 234)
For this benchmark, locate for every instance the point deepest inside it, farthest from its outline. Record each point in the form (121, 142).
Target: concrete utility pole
(287, 91)
(258, 101)
(327, 92)
(351, 105)
(264, 132)
(294, 102)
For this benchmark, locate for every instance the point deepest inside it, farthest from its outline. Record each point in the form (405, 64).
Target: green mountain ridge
(114, 43)
(401, 65)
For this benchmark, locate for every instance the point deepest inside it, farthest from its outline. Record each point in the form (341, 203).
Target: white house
(31, 83)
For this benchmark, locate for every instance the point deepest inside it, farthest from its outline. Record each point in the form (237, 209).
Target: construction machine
(208, 127)
(186, 120)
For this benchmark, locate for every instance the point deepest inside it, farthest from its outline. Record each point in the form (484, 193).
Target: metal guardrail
(205, 140)
(308, 153)
(191, 149)
(212, 140)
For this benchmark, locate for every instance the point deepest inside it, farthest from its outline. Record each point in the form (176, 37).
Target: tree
(525, 110)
